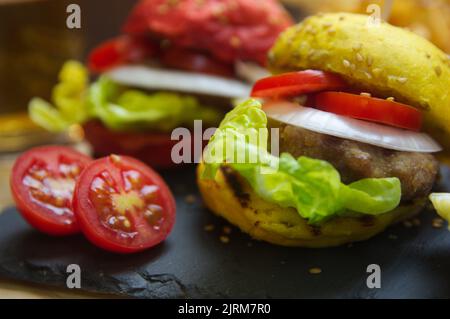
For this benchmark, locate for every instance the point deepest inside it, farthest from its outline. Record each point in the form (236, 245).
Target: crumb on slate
(437, 223)
(224, 239)
(190, 199)
(315, 271)
(407, 224)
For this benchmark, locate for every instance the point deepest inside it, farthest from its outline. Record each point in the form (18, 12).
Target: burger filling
(120, 107)
(328, 97)
(312, 186)
(355, 160)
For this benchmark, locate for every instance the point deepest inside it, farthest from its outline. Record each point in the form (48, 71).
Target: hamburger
(175, 62)
(360, 112)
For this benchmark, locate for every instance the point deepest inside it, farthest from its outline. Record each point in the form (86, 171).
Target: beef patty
(354, 160)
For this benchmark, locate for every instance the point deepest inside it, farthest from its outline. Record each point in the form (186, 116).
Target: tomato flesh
(297, 83)
(122, 205)
(42, 183)
(371, 109)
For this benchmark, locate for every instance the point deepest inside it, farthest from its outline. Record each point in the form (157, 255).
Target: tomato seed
(149, 192)
(153, 214)
(127, 223)
(112, 220)
(132, 180)
(59, 201)
(115, 159)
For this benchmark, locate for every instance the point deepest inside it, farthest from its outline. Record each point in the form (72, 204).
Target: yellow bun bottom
(231, 197)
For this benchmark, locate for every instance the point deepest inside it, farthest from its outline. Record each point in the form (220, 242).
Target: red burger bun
(229, 30)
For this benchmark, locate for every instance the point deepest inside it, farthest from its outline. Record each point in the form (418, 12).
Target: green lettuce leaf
(246, 127)
(69, 98)
(313, 187)
(45, 115)
(373, 195)
(121, 109)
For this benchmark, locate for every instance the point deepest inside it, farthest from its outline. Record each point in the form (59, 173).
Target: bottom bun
(231, 197)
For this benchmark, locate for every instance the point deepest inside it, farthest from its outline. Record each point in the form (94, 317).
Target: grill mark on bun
(232, 179)
(367, 221)
(315, 231)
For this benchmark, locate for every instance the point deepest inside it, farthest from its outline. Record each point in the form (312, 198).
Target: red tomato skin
(296, 83)
(153, 149)
(370, 109)
(119, 51)
(82, 205)
(26, 208)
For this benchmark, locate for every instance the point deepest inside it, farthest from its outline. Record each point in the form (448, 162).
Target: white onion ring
(352, 129)
(160, 79)
(250, 71)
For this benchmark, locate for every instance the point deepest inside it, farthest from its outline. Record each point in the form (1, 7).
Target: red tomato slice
(297, 83)
(119, 51)
(190, 60)
(152, 148)
(370, 109)
(122, 205)
(42, 184)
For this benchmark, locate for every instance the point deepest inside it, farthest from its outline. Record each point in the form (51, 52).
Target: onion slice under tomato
(160, 79)
(250, 71)
(352, 129)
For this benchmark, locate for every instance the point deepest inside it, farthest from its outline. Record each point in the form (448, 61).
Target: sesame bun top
(384, 60)
(227, 29)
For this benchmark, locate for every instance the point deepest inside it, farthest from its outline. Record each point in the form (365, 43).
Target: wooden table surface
(11, 289)
(15, 290)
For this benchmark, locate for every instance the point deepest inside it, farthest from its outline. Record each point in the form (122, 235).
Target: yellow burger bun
(230, 196)
(373, 57)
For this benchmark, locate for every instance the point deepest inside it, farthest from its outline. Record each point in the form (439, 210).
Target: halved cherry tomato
(193, 61)
(42, 184)
(122, 205)
(370, 109)
(120, 50)
(297, 83)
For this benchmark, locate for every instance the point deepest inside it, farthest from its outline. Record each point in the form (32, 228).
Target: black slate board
(195, 263)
